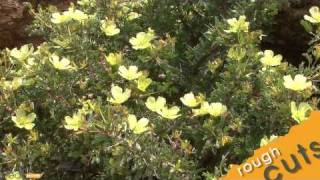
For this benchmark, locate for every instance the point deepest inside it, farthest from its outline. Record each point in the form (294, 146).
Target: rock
(14, 19)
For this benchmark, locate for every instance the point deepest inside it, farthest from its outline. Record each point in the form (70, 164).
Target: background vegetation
(150, 89)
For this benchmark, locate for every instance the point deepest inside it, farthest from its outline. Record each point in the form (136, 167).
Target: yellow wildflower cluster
(159, 106)
(132, 73)
(23, 53)
(214, 109)
(238, 25)
(66, 16)
(12, 85)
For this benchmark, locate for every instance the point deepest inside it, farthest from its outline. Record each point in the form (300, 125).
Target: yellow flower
(14, 176)
(137, 127)
(23, 53)
(299, 83)
(299, 114)
(190, 100)
(236, 53)
(58, 18)
(114, 58)
(269, 59)
(159, 105)
(142, 40)
(118, 95)
(30, 62)
(217, 109)
(237, 25)
(155, 105)
(143, 83)
(12, 85)
(133, 15)
(75, 122)
(130, 74)
(16, 83)
(109, 28)
(63, 64)
(169, 113)
(88, 106)
(24, 120)
(78, 15)
(265, 140)
(204, 108)
(315, 15)
(66, 16)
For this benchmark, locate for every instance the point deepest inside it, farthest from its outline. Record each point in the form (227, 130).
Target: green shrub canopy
(150, 89)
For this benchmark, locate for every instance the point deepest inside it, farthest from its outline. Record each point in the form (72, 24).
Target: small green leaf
(307, 26)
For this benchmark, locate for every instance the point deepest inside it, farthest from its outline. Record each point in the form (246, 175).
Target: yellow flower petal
(154, 104)
(169, 113)
(114, 58)
(109, 28)
(217, 109)
(63, 64)
(299, 113)
(189, 100)
(205, 107)
(137, 127)
(269, 59)
(23, 53)
(315, 15)
(133, 15)
(142, 40)
(143, 83)
(24, 120)
(75, 122)
(130, 73)
(118, 95)
(237, 25)
(299, 83)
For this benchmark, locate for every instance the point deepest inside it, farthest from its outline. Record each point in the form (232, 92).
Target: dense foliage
(149, 89)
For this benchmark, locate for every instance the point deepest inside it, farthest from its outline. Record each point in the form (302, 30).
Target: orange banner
(295, 156)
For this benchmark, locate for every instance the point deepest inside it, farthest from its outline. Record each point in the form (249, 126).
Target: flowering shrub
(149, 89)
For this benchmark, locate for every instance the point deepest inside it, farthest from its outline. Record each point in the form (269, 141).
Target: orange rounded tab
(295, 156)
